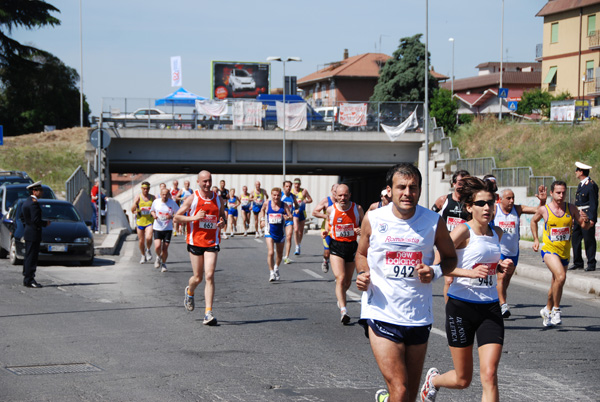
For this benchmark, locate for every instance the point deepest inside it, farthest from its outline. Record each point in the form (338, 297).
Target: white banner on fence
(411, 123)
(295, 116)
(247, 114)
(211, 107)
(353, 114)
(176, 71)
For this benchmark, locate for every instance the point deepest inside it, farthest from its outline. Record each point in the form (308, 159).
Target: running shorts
(143, 227)
(343, 249)
(289, 223)
(246, 208)
(301, 215)
(233, 212)
(275, 238)
(397, 333)
(164, 235)
(564, 262)
(464, 320)
(326, 242)
(515, 259)
(201, 250)
(256, 209)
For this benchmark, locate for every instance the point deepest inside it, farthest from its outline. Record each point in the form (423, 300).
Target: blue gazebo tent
(181, 97)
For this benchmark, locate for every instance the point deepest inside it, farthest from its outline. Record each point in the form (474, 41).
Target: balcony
(592, 87)
(595, 40)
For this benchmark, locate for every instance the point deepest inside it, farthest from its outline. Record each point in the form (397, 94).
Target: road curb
(111, 242)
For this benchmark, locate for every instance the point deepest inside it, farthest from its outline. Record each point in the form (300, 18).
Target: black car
(10, 193)
(14, 177)
(67, 238)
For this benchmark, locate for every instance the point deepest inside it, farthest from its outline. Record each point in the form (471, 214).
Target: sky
(127, 44)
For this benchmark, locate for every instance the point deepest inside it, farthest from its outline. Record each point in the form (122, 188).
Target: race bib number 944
(401, 264)
(560, 234)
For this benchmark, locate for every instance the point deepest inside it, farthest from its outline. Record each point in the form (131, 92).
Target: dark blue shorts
(565, 262)
(246, 208)
(256, 209)
(397, 333)
(515, 259)
(233, 212)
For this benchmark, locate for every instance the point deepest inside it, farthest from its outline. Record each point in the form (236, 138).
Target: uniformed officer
(31, 216)
(586, 199)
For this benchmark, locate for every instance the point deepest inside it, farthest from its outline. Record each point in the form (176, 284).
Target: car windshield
(59, 212)
(15, 180)
(14, 194)
(241, 73)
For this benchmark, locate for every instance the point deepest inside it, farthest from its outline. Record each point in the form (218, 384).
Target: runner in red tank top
(205, 219)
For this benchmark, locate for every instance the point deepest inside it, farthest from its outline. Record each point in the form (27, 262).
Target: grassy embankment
(550, 150)
(51, 157)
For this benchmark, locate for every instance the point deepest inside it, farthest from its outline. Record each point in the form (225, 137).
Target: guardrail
(476, 166)
(76, 182)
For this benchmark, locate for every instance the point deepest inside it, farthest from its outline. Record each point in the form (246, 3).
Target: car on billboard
(240, 80)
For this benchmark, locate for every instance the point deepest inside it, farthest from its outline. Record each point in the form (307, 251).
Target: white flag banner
(411, 123)
(295, 116)
(353, 114)
(176, 71)
(211, 107)
(247, 113)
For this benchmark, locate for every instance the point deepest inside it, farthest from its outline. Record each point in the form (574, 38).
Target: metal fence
(476, 166)
(120, 112)
(77, 182)
(511, 177)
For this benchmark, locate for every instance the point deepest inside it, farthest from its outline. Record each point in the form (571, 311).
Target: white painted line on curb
(313, 274)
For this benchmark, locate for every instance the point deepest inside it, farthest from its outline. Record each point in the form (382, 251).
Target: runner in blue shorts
(320, 211)
(246, 205)
(290, 200)
(232, 213)
(272, 218)
(258, 198)
(303, 198)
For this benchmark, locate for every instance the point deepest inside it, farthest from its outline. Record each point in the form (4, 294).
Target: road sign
(104, 140)
(513, 105)
(503, 93)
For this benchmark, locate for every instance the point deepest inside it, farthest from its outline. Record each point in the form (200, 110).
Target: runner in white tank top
(394, 264)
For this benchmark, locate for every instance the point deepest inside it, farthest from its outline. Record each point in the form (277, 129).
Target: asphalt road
(275, 341)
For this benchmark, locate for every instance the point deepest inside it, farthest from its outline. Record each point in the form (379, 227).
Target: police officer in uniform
(31, 216)
(586, 197)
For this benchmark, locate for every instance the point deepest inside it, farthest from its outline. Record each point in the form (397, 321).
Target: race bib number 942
(401, 264)
(560, 234)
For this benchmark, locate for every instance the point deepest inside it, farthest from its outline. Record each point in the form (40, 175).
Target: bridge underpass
(358, 158)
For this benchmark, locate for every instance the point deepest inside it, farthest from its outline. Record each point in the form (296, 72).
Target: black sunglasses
(482, 203)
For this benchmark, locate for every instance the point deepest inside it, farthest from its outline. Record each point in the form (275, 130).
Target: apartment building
(570, 52)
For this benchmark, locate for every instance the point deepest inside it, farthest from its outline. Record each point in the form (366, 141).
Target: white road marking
(438, 332)
(354, 296)
(313, 274)
(258, 240)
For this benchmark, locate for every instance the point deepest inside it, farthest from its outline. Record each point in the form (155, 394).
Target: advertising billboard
(234, 79)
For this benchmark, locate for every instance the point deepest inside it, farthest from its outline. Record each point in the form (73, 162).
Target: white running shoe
(225, 236)
(272, 276)
(325, 266)
(256, 235)
(286, 260)
(505, 310)
(276, 273)
(345, 318)
(546, 322)
(555, 316)
(428, 390)
(157, 262)
(297, 252)
(232, 235)
(188, 301)
(143, 259)
(163, 267)
(209, 319)
(245, 233)
(148, 255)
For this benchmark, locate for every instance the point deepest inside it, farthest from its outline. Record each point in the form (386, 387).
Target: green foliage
(40, 93)
(466, 118)
(538, 100)
(402, 77)
(29, 14)
(444, 109)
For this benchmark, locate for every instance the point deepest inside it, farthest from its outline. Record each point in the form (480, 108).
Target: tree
(402, 77)
(444, 108)
(538, 100)
(39, 92)
(27, 14)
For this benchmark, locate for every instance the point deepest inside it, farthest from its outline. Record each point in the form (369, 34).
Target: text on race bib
(145, 211)
(488, 281)
(560, 234)
(401, 264)
(452, 222)
(275, 219)
(244, 201)
(208, 222)
(508, 227)
(344, 230)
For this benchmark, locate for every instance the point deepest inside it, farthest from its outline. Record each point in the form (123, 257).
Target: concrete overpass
(227, 151)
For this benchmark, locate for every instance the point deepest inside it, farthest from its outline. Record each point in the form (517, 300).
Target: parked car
(14, 177)
(329, 113)
(241, 80)
(67, 238)
(10, 193)
(158, 118)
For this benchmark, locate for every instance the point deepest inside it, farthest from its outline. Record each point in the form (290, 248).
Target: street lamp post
(501, 60)
(426, 107)
(283, 61)
(452, 85)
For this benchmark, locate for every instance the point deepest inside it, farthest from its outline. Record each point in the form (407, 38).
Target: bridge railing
(121, 112)
(76, 182)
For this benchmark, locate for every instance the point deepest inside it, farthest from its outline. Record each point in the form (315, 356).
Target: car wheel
(14, 260)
